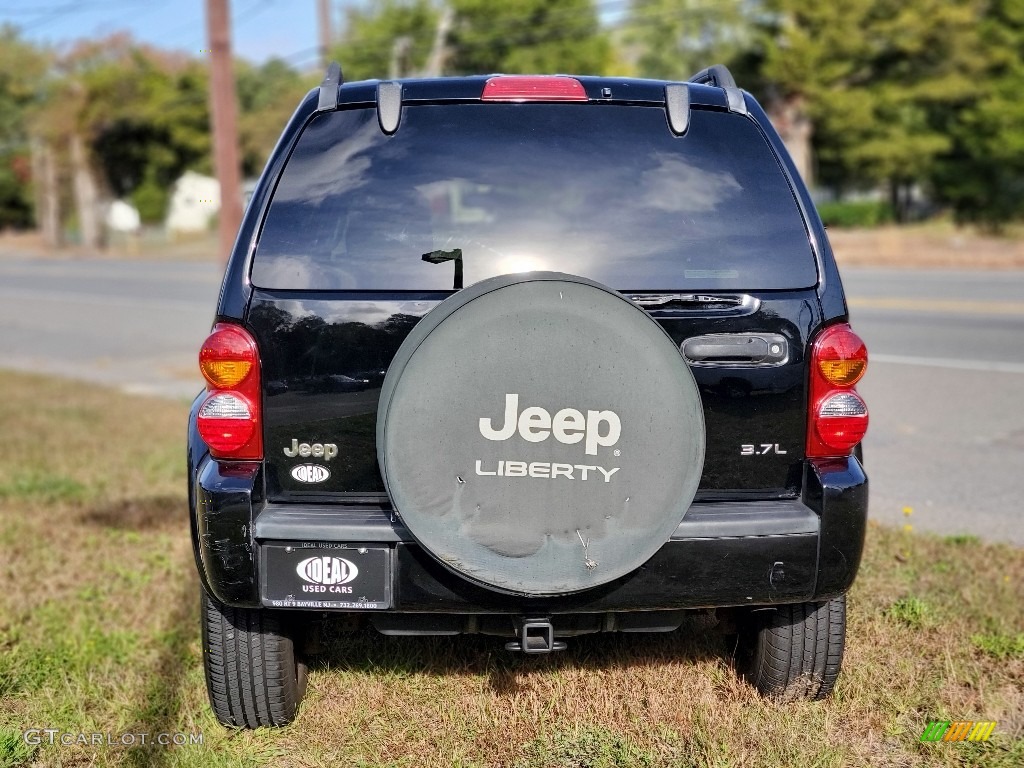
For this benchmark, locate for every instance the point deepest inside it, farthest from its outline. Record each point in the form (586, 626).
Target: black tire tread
(252, 674)
(795, 652)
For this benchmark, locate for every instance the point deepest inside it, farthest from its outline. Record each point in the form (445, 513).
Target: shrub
(863, 213)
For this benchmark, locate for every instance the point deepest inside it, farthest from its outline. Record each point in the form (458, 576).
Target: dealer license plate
(326, 575)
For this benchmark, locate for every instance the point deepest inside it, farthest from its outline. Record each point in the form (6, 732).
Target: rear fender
(837, 489)
(221, 497)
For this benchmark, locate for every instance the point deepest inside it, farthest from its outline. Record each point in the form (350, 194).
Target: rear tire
(253, 675)
(793, 652)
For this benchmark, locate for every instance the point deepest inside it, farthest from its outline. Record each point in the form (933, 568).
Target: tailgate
(324, 357)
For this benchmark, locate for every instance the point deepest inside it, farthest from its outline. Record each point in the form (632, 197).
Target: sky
(260, 28)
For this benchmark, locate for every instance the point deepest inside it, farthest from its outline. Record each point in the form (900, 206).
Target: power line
(251, 12)
(194, 28)
(59, 12)
(37, 11)
(518, 32)
(62, 8)
(305, 52)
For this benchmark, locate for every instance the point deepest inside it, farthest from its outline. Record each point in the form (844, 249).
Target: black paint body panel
(323, 357)
(225, 494)
(722, 554)
(769, 529)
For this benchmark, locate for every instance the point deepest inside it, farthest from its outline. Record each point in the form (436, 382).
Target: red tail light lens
(226, 423)
(841, 421)
(229, 419)
(533, 88)
(838, 417)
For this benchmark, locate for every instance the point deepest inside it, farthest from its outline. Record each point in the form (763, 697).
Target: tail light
(229, 419)
(838, 416)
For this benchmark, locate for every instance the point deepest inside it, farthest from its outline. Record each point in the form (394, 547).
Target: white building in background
(195, 200)
(122, 217)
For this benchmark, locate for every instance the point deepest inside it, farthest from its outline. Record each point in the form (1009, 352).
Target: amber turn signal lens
(841, 356)
(842, 373)
(224, 374)
(227, 356)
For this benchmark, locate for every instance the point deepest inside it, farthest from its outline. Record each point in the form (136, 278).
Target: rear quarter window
(465, 192)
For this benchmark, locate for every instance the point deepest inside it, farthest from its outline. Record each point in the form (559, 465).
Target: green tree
(674, 39)
(982, 175)
(22, 67)
(397, 38)
(387, 38)
(880, 79)
(267, 96)
(143, 113)
(528, 36)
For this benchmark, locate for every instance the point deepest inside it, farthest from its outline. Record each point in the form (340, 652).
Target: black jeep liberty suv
(531, 357)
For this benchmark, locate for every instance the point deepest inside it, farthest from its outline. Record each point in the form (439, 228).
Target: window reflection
(602, 191)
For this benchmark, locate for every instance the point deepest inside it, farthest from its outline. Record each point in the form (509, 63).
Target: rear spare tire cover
(540, 434)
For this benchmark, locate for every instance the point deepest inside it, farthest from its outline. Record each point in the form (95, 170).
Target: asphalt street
(133, 324)
(945, 392)
(945, 385)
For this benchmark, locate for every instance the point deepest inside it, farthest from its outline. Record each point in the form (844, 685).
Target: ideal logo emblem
(327, 571)
(310, 473)
(568, 426)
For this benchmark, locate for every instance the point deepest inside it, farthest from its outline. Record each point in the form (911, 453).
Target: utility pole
(398, 64)
(223, 115)
(44, 174)
(323, 8)
(439, 51)
(86, 195)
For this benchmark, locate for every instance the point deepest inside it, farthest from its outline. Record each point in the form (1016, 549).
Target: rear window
(465, 192)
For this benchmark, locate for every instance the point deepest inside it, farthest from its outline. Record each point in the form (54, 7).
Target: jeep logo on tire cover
(327, 570)
(567, 426)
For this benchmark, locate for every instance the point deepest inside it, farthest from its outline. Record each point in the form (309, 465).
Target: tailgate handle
(742, 348)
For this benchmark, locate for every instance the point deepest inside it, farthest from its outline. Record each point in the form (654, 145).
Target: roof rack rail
(329, 88)
(717, 75)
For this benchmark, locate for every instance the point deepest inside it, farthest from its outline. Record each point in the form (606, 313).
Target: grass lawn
(99, 633)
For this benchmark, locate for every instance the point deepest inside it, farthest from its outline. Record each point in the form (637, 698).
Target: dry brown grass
(99, 631)
(931, 245)
(150, 247)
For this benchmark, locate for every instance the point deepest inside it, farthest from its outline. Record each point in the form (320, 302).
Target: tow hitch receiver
(535, 636)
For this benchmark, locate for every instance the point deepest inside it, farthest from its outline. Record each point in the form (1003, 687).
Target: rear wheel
(793, 652)
(253, 674)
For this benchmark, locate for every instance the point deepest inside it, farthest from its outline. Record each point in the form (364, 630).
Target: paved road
(135, 325)
(945, 385)
(945, 389)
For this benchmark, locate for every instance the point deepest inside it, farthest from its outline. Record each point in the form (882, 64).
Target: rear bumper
(722, 554)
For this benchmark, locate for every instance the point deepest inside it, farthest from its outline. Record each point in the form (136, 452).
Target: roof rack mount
(719, 76)
(329, 88)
